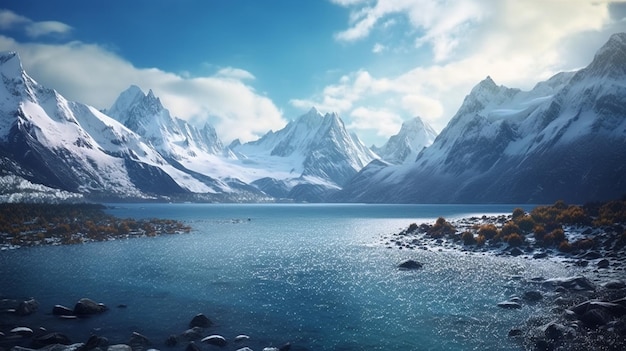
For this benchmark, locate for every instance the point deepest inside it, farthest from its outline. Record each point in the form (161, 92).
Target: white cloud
(235, 73)
(383, 123)
(378, 48)
(9, 19)
(91, 74)
(517, 43)
(38, 29)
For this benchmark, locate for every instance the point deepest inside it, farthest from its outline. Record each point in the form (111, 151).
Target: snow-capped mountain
(564, 139)
(312, 156)
(414, 135)
(66, 145)
(145, 115)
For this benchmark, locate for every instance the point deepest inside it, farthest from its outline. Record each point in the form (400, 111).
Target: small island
(24, 225)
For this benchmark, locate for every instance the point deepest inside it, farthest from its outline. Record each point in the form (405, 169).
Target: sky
(249, 66)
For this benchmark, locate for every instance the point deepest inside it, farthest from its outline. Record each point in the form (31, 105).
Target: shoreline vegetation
(26, 225)
(583, 312)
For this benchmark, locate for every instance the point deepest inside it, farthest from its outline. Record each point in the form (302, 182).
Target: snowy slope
(313, 152)
(414, 135)
(564, 139)
(75, 147)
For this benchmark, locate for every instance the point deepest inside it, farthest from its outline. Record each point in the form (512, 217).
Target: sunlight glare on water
(306, 274)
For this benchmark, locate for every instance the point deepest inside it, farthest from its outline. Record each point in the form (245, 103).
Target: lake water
(312, 275)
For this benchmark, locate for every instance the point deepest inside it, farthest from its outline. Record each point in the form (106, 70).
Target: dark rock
(200, 320)
(515, 332)
(27, 307)
(410, 264)
(60, 310)
(509, 305)
(192, 333)
(539, 255)
(533, 295)
(285, 347)
(516, 251)
(554, 331)
(543, 345)
(51, 339)
(171, 341)
(192, 347)
(603, 263)
(95, 341)
(87, 306)
(615, 284)
(119, 347)
(582, 263)
(216, 340)
(572, 283)
(592, 255)
(138, 342)
(595, 318)
(241, 338)
(23, 331)
(122, 306)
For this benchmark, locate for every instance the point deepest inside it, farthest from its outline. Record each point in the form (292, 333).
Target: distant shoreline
(27, 225)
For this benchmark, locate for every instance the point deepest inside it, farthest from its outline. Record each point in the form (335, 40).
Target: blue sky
(248, 66)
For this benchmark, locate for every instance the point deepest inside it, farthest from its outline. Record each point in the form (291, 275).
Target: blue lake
(312, 275)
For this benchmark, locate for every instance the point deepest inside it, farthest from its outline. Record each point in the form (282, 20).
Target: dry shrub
(489, 231)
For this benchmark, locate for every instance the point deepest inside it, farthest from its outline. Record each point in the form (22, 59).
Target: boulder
(85, 307)
(241, 338)
(119, 347)
(592, 255)
(595, 318)
(516, 251)
(27, 307)
(138, 341)
(216, 340)
(192, 333)
(23, 331)
(533, 296)
(192, 347)
(603, 263)
(571, 283)
(555, 331)
(509, 305)
(410, 264)
(615, 284)
(51, 339)
(171, 341)
(200, 320)
(515, 332)
(95, 341)
(244, 349)
(60, 310)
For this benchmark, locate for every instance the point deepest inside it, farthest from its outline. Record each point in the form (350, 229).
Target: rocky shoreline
(583, 312)
(23, 337)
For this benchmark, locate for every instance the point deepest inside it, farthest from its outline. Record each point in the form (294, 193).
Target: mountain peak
(11, 64)
(610, 59)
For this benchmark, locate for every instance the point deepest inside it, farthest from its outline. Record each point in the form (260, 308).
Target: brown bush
(509, 228)
(565, 246)
(514, 239)
(583, 244)
(480, 240)
(518, 212)
(441, 228)
(489, 231)
(468, 238)
(525, 223)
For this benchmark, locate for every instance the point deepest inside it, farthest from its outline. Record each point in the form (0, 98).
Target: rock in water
(200, 320)
(509, 305)
(87, 306)
(241, 338)
(27, 307)
(410, 264)
(51, 339)
(216, 340)
(60, 310)
(119, 347)
(192, 347)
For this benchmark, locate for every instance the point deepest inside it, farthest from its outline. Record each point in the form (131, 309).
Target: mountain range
(563, 139)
